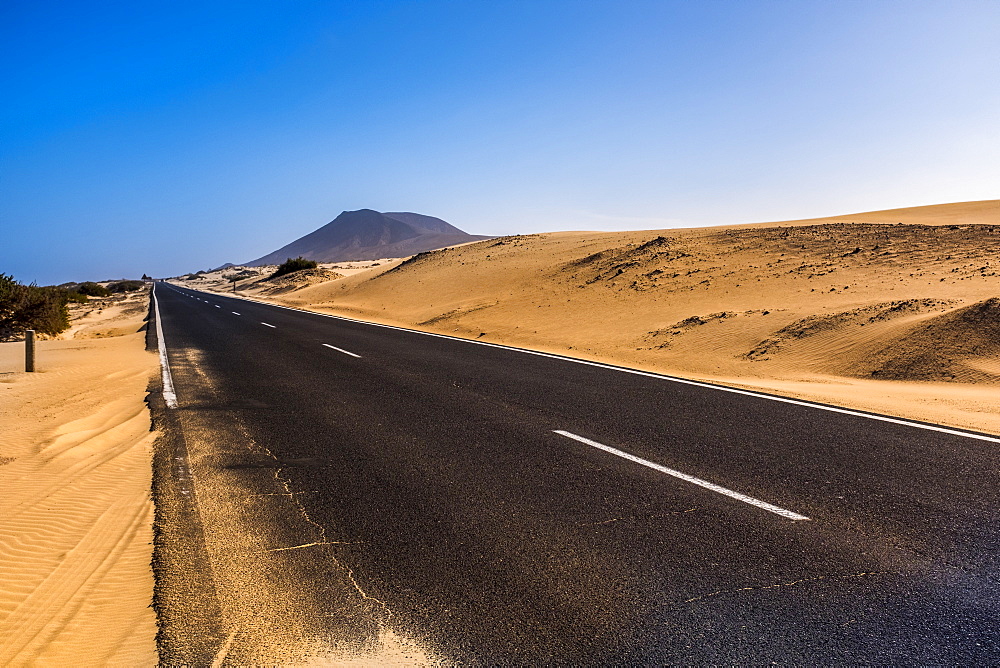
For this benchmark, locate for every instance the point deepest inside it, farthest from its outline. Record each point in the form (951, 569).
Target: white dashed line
(685, 477)
(234, 312)
(268, 325)
(341, 350)
(216, 306)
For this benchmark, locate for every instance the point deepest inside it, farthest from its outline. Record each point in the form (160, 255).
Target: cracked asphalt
(352, 483)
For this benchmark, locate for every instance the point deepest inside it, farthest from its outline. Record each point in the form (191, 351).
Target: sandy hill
(982, 211)
(894, 311)
(370, 235)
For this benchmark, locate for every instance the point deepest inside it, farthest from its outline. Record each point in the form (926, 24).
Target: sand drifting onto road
(75, 513)
(891, 311)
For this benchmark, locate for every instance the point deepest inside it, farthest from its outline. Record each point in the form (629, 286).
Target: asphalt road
(456, 494)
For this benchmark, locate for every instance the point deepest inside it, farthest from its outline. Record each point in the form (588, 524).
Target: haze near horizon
(140, 139)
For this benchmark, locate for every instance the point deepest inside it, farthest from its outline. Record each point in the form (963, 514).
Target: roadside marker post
(29, 350)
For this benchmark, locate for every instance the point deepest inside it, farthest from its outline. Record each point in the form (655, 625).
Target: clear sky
(164, 137)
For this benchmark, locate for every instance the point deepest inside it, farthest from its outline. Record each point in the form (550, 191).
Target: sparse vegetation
(125, 286)
(242, 274)
(291, 265)
(31, 307)
(92, 289)
(76, 297)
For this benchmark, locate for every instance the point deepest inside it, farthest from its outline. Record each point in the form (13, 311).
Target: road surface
(335, 486)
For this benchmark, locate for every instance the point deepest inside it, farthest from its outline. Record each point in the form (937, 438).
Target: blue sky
(166, 137)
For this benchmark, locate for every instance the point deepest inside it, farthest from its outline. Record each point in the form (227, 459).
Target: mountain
(370, 235)
(429, 223)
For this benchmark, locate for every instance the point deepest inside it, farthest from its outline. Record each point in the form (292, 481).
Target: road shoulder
(76, 513)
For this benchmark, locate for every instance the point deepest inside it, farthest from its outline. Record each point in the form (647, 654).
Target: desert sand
(896, 311)
(75, 514)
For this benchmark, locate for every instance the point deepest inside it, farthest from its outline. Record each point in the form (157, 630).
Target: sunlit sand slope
(984, 212)
(75, 512)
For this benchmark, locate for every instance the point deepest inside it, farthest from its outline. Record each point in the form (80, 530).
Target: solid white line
(341, 350)
(234, 312)
(169, 396)
(650, 374)
(267, 325)
(220, 657)
(687, 478)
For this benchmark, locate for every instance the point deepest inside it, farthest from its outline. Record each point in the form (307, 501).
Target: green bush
(290, 265)
(125, 286)
(76, 297)
(92, 289)
(31, 307)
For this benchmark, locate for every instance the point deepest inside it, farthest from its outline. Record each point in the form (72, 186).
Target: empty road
(333, 486)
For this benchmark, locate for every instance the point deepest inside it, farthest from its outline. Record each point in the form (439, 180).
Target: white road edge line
(169, 396)
(268, 325)
(220, 657)
(341, 350)
(685, 477)
(650, 374)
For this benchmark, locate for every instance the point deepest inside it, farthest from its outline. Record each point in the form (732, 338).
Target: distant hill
(369, 235)
(225, 266)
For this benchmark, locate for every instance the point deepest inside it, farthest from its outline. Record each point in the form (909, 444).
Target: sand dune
(75, 513)
(982, 212)
(294, 281)
(892, 311)
(961, 345)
